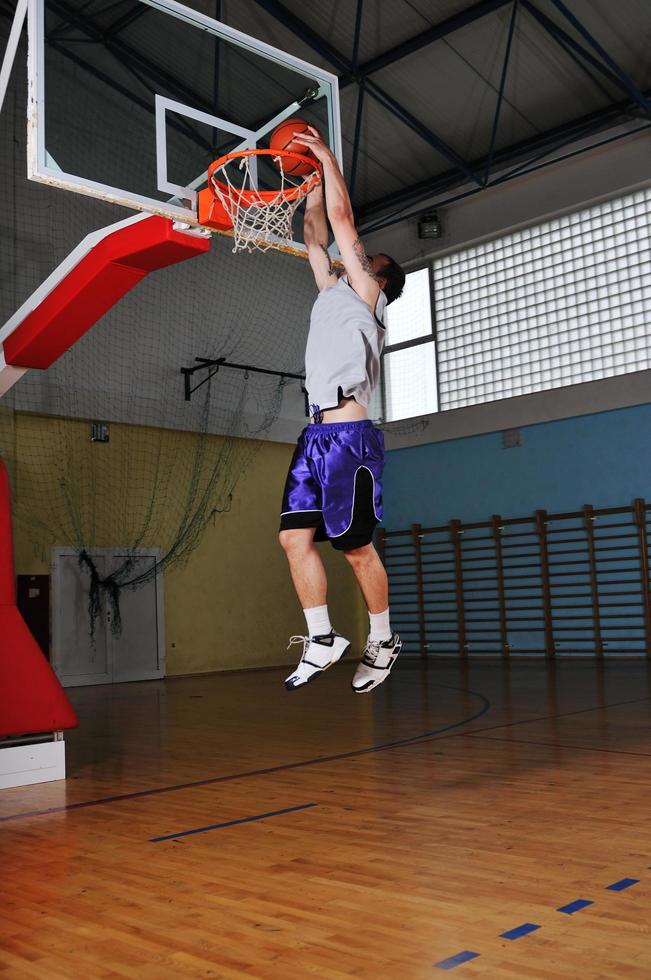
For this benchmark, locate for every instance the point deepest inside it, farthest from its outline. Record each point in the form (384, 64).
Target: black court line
(231, 823)
(564, 714)
(320, 760)
(269, 770)
(556, 745)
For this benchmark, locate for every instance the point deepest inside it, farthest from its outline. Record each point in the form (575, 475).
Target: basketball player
(334, 485)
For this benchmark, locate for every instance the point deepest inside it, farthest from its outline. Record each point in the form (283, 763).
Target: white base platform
(21, 765)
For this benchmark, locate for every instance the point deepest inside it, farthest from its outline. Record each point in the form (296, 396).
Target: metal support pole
(12, 46)
(358, 34)
(455, 537)
(497, 528)
(541, 529)
(500, 94)
(358, 133)
(416, 535)
(588, 523)
(215, 73)
(380, 543)
(639, 515)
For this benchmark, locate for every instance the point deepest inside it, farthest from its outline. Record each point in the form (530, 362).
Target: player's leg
(322, 646)
(383, 646)
(352, 508)
(305, 566)
(372, 578)
(300, 522)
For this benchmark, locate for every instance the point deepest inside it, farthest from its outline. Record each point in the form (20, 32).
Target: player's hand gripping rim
(314, 141)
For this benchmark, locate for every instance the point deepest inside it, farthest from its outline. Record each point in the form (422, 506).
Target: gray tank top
(343, 347)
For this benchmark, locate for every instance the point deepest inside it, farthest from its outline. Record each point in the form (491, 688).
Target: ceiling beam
(126, 53)
(422, 40)
(624, 79)
(406, 117)
(569, 45)
(341, 64)
(500, 94)
(531, 167)
(181, 126)
(126, 20)
(425, 189)
(303, 31)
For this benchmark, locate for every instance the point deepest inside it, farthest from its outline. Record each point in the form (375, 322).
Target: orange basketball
(282, 138)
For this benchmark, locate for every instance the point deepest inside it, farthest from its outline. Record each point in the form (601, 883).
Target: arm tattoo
(331, 268)
(364, 260)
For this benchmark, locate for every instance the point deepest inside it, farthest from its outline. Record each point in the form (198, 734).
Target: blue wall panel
(602, 459)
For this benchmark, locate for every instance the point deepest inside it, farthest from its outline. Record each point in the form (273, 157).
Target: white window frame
(428, 338)
(546, 405)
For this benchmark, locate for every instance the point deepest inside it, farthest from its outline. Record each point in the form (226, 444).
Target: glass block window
(559, 304)
(409, 363)
(410, 382)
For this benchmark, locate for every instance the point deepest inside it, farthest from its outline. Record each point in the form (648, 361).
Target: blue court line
(520, 931)
(452, 961)
(527, 927)
(576, 906)
(619, 886)
(231, 823)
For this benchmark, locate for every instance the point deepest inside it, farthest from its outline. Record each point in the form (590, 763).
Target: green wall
(231, 604)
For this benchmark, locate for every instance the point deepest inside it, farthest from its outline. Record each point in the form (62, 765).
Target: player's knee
(292, 542)
(358, 556)
(285, 539)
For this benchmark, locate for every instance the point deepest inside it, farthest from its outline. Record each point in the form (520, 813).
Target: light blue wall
(602, 459)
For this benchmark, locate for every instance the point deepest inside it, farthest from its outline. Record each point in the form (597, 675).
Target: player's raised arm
(315, 232)
(359, 266)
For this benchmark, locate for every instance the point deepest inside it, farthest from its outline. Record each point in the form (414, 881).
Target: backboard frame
(42, 168)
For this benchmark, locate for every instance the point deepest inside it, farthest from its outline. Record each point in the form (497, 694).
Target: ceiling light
(429, 225)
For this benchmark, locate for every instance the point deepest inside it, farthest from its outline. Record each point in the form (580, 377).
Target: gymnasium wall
(232, 604)
(596, 174)
(601, 459)
(250, 309)
(585, 443)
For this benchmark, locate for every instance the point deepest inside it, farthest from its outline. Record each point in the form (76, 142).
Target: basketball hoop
(254, 215)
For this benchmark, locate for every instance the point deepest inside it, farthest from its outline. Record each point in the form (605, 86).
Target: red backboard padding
(102, 277)
(7, 575)
(31, 697)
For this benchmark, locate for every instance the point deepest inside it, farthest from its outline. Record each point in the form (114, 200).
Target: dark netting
(170, 464)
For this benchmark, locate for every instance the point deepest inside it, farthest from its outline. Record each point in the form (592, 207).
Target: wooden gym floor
(341, 836)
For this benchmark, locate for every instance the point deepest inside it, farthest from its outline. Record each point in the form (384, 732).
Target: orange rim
(250, 196)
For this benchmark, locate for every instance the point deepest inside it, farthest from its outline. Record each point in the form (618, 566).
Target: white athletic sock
(318, 621)
(380, 629)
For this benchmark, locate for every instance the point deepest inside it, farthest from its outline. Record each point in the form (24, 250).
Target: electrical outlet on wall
(511, 438)
(99, 432)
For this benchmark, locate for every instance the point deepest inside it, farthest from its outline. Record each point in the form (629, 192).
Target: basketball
(282, 138)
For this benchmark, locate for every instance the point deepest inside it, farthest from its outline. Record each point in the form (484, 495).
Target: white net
(261, 219)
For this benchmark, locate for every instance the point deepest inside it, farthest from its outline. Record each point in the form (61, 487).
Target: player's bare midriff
(348, 410)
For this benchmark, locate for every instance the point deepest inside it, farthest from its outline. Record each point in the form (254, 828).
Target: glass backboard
(130, 101)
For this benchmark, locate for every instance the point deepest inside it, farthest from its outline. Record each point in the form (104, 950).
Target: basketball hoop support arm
(213, 366)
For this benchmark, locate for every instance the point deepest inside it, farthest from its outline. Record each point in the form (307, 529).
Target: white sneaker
(377, 661)
(319, 653)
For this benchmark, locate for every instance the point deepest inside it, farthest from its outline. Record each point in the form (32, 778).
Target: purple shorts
(335, 483)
